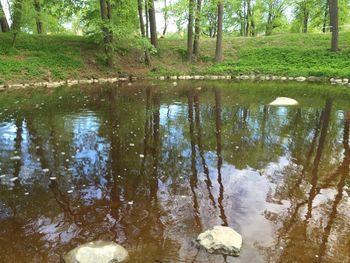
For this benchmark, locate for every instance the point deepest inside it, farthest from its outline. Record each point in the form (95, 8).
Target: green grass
(71, 57)
(33, 57)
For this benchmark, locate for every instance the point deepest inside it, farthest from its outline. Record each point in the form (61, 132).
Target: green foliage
(34, 56)
(183, 53)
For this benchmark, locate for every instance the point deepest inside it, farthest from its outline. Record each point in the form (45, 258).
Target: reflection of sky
(245, 196)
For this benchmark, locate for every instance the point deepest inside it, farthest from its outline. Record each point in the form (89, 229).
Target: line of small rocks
(56, 84)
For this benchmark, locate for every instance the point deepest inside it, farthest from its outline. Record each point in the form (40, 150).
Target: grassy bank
(63, 57)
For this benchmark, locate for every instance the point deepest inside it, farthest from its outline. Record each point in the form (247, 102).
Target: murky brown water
(151, 167)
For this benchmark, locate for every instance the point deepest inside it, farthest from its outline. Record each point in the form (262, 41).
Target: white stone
(283, 101)
(244, 77)
(221, 240)
(338, 81)
(300, 79)
(97, 251)
(102, 80)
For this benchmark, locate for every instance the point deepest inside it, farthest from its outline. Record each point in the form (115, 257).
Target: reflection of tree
(115, 162)
(219, 156)
(249, 135)
(194, 176)
(18, 151)
(200, 148)
(343, 171)
(292, 228)
(321, 144)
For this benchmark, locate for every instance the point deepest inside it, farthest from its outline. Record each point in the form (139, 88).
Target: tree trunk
(142, 24)
(165, 19)
(218, 51)
(269, 24)
(4, 26)
(147, 18)
(143, 33)
(241, 22)
(16, 22)
(325, 18)
(333, 13)
(39, 23)
(197, 27)
(251, 20)
(247, 18)
(107, 33)
(17, 15)
(306, 20)
(153, 23)
(190, 30)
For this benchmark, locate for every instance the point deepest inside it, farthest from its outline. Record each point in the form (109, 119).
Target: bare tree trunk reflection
(115, 160)
(219, 156)
(325, 125)
(194, 177)
(18, 151)
(263, 126)
(201, 151)
(153, 179)
(147, 130)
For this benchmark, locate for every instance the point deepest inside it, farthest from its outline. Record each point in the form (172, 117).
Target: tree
(17, 18)
(4, 26)
(106, 15)
(197, 27)
(147, 18)
(275, 10)
(218, 51)
(165, 17)
(17, 15)
(334, 20)
(190, 29)
(153, 23)
(143, 33)
(39, 23)
(325, 17)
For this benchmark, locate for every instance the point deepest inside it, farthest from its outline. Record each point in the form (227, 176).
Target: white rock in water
(97, 251)
(221, 240)
(283, 101)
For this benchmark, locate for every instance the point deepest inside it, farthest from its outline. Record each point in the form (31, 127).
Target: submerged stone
(283, 101)
(221, 240)
(97, 251)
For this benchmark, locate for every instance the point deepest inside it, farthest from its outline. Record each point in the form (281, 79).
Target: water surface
(151, 166)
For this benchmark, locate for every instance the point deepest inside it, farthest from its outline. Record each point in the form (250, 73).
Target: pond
(150, 166)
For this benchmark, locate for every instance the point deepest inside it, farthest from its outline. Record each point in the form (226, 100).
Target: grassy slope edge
(62, 57)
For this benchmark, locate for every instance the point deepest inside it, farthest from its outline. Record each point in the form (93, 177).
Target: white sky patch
(160, 17)
(6, 8)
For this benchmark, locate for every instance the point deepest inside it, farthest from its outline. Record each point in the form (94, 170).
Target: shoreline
(131, 78)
